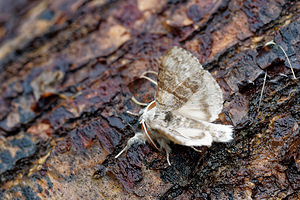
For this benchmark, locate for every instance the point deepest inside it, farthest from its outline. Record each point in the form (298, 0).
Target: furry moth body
(187, 100)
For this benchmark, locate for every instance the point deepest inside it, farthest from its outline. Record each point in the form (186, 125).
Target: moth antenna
(137, 138)
(262, 91)
(195, 149)
(149, 79)
(273, 43)
(138, 102)
(150, 72)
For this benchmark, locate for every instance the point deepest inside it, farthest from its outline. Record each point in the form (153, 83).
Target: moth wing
(195, 133)
(206, 103)
(190, 137)
(177, 78)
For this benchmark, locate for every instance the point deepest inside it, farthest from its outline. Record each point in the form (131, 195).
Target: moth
(188, 99)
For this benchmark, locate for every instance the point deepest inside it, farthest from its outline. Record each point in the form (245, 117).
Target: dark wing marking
(177, 78)
(206, 103)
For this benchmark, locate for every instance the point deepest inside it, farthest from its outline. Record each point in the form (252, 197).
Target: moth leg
(132, 113)
(164, 145)
(195, 149)
(168, 160)
(137, 138)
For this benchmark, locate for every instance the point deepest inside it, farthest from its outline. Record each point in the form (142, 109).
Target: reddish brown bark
(69, 69)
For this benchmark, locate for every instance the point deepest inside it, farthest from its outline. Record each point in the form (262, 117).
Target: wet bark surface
(69, 70)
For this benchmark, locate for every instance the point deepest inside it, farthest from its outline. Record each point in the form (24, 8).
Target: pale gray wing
(176, 78)
(206, 103)
(190, 132)
(185, 88)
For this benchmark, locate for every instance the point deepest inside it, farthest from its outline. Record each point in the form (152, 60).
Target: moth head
(144, 112)
(145, 128)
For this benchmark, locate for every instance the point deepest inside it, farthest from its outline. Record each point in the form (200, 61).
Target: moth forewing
(177, 72)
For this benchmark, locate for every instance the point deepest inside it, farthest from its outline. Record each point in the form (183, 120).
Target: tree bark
(70, 68)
